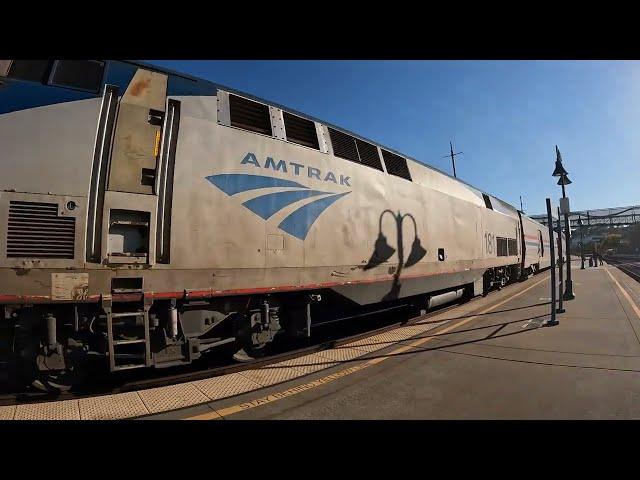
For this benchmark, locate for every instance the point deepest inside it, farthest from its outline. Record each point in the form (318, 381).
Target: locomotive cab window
(31, 70)
(78, 74)
(83, 75)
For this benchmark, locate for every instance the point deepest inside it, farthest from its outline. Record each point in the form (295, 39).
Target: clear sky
(506, 116)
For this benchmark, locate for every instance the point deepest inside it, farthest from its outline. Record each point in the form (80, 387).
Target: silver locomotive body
(149, 216)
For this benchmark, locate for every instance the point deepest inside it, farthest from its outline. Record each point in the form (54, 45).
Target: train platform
(492, 358)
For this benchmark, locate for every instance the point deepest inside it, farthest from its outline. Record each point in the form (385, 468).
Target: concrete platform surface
(499, 362)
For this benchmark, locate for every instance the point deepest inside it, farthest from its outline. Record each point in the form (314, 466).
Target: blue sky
(506, 116)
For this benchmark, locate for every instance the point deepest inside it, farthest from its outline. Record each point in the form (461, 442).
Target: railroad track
(629, 265)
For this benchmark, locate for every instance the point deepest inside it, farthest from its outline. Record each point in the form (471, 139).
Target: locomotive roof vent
(249, 115)
(396, 165)
(300, 130)
(351, 148)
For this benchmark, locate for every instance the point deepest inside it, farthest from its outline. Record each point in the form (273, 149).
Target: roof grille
(249, 115)
(354, 149)
(369, 154)
(300, 130)
(344, 146)
(396, 165)
(36, 231)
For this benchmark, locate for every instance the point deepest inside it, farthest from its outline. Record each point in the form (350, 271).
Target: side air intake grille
(396, 165)
(368, 154)
(354, 149)
(300, 130)
(249, 115)
(344, 146)
(36, 231)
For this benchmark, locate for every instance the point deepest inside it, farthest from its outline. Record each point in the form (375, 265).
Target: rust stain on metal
(139, 87)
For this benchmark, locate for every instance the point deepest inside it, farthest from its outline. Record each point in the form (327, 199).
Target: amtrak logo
(265, 205)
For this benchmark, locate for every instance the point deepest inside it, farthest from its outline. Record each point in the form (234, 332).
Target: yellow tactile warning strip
(7, 413)
(157, 400)
(112, 407)
(65, 410)
(226, 386)
(270, 375)
(307, 363)
(224, 412)
(342, 354)
(172, 397)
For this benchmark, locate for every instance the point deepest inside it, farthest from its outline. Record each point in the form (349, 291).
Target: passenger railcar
(147, 216)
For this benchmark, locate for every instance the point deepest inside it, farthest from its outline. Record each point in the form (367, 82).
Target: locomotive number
(488, 240)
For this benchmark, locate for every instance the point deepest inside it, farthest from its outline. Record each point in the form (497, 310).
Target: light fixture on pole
(559, 171)
(581, 243)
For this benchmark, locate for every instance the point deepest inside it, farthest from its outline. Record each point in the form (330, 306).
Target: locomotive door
(136, 142)
(129, 218)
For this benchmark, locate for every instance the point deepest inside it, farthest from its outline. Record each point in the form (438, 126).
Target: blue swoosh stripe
(232, 183)
(299, 222)
(269, 204)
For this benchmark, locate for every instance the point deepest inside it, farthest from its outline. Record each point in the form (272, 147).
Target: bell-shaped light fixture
(381, 253)
(564, 180)
(417, 252)
(559, 170)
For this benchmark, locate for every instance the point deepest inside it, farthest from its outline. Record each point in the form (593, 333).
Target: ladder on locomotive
(114, 344)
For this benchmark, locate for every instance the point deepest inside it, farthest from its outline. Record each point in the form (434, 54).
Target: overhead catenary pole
(521, 209)
(453, 158)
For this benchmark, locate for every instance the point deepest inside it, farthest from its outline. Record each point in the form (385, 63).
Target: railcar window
(33, 70)
(79, 74)
(344, 146)
(300, 130)
(368, 154)
(501, 246)
(396, 165)
(249, 115)
(487, 201)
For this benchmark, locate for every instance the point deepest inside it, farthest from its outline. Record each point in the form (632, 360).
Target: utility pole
(453, 158)
(521, 209)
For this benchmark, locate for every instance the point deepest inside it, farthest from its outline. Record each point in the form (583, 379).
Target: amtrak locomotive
(147, 216)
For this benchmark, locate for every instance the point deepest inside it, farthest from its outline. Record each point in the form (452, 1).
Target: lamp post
(581, 243)
(559, 171)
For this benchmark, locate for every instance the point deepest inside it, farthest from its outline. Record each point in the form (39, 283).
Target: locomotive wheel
(57, 381)
(251, 345)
